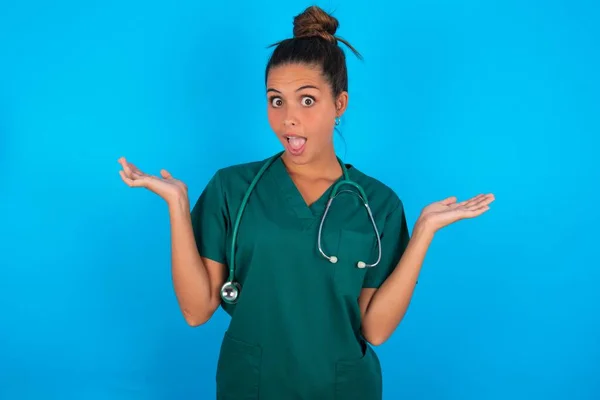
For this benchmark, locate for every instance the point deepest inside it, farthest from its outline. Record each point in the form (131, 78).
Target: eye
(276, 101)
(308, 101)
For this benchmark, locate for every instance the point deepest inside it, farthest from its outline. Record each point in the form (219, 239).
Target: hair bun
(314, 22)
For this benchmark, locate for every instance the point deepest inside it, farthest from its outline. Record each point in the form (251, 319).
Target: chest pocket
(353, 247)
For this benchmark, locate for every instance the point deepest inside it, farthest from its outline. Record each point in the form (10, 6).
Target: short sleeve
(394, 239)
(209, 221)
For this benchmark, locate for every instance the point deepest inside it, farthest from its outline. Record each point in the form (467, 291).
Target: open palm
(447, 211)
(165, 186)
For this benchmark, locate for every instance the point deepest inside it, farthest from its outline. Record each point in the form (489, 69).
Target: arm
(197, 280)
(384, 302)
(384, 308)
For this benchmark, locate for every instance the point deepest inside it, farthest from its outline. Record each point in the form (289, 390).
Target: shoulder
(226, 187)
(232, 178)
(237, 171)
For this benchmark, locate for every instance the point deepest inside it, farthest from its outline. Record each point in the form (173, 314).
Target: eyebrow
(300, 88)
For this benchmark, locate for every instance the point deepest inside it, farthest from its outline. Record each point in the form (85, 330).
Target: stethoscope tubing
(230, 290)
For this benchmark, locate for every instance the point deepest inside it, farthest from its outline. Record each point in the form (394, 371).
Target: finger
(126, 167)
(131, 182)
(464, 203)
(137, 170)
(134, 169)
(483, 200)
(469, 201)
(138, 175)
(475, 212)
(123, 161)
(165, 174)
(130, 168)
(473, 200)
(490, 198)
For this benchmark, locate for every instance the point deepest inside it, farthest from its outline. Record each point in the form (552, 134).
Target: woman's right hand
(167, 187)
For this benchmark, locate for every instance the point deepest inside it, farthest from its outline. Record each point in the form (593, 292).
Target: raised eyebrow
(297, 90)
(306, 87)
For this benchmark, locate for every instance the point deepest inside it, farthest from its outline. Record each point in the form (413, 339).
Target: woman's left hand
(445, 212)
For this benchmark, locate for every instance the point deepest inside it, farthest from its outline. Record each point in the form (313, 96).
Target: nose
(290, 120)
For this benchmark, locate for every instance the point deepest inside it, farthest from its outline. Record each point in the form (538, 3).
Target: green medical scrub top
(295, 332)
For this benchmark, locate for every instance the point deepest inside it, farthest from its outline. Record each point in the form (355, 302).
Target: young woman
(309, 283)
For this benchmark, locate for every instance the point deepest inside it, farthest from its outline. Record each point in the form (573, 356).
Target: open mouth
(296, 144)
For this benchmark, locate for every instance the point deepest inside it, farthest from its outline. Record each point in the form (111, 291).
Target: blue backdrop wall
(453, 98)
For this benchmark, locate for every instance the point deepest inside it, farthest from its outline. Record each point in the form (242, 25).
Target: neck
(325, 166)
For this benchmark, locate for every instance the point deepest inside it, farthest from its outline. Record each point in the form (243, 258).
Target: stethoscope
(230, 291)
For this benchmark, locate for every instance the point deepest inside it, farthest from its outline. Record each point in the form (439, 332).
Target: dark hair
(315, 43)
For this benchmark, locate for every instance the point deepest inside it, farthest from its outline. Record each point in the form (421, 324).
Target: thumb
(165, 174)
(448, 200)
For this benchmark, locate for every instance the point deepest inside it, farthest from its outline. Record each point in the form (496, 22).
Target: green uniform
(295, 332)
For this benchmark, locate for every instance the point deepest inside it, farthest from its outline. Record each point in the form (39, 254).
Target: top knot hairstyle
(315, 43)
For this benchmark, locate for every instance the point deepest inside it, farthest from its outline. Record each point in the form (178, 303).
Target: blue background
(453, 98)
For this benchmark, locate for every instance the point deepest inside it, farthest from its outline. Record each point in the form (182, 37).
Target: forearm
(190, 276)
(390, 302)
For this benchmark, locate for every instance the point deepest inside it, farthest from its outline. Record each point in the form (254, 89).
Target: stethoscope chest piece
(230, 292)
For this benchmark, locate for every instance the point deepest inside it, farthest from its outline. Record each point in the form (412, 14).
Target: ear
(341, 103)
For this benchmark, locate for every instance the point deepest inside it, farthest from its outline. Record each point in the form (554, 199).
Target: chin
(298, 159)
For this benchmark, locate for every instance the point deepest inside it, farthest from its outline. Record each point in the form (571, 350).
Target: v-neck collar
(292, 196)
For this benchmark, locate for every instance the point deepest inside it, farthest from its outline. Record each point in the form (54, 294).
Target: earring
(337, 120)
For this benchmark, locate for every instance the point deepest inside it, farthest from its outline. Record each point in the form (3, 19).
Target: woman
(306, 295)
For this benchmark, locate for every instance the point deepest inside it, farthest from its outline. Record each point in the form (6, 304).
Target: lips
(295, 144)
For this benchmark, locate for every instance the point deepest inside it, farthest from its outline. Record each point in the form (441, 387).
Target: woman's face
(302, 111)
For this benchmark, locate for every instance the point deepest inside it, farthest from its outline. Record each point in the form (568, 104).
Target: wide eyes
(306, 101)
